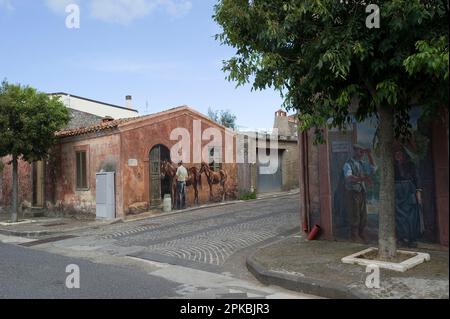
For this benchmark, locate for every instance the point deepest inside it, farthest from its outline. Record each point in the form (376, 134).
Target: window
(81, 170)
(215, 159)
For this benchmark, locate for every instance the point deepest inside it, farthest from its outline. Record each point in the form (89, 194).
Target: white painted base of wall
(416, 259)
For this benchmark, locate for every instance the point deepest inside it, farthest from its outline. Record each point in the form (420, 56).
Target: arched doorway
(158, 185)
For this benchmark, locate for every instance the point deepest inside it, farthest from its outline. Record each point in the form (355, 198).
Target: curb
(41, 233)
(311, 286)
(187, 210)
(27, 234)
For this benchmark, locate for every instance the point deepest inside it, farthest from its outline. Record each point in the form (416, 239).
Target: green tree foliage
(223, 117)
(28, 122)
(323, 58)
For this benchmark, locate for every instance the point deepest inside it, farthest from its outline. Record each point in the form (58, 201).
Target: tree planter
(411, 259)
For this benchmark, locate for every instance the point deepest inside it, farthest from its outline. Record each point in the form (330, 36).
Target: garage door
(270, 182)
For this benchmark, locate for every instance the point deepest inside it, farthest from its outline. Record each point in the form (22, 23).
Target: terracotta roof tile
(101, 126)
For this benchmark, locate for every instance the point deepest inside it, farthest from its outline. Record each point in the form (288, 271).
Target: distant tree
(323, 55)
(213, 115)
(28, 122)
(223, 117)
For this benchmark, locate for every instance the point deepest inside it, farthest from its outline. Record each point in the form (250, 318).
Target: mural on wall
(355, 179)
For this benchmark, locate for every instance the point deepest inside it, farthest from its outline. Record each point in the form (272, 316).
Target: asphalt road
(33, 274)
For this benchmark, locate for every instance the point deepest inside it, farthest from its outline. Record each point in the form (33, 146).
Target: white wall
(96, 108)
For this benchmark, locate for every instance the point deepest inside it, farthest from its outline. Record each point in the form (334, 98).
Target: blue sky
(160, 51)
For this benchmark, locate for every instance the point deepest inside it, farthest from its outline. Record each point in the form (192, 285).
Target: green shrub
(248, 196)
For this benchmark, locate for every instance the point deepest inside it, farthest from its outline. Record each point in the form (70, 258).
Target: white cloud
(126, 11)
(120, 11)
(6, 4)
(177, 9)
(59, 6)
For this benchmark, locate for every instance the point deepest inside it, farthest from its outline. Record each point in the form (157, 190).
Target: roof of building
(100, 126)
(105, 125)
(94, 101)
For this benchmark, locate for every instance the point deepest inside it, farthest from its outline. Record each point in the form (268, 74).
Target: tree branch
(445, 3)
(366, 81)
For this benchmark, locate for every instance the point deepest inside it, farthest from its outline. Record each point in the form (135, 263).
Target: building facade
(322, 185)
(132, 148)
(252, 176)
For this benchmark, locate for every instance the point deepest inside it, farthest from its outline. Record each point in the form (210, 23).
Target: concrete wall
(96, 108)
(289, 164)
(246, 173)
(25, 183)
(314, 182)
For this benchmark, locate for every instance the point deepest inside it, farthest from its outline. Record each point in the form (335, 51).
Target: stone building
(83, 112)
(133, 149)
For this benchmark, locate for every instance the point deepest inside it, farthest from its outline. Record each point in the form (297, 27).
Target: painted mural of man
(357, 173)
(181, 176)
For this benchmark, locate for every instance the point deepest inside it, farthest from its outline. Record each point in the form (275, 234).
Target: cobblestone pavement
(204, 239)
(208, 236)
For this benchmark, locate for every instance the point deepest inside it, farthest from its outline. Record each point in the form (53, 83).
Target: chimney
(282, 123)
(129, 102)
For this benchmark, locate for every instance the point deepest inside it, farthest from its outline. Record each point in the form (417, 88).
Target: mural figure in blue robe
(408, 200)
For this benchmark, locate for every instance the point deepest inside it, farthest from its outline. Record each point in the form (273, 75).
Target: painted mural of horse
(214, 178)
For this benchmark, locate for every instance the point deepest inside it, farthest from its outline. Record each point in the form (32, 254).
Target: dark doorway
(159, 185)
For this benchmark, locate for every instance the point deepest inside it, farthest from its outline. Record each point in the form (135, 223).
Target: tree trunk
(15, 192)
(386, 233)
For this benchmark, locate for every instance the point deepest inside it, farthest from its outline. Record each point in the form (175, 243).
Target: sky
(162, 52)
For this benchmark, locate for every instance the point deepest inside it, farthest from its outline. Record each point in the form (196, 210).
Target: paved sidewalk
(315, 267)
(39, 227)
